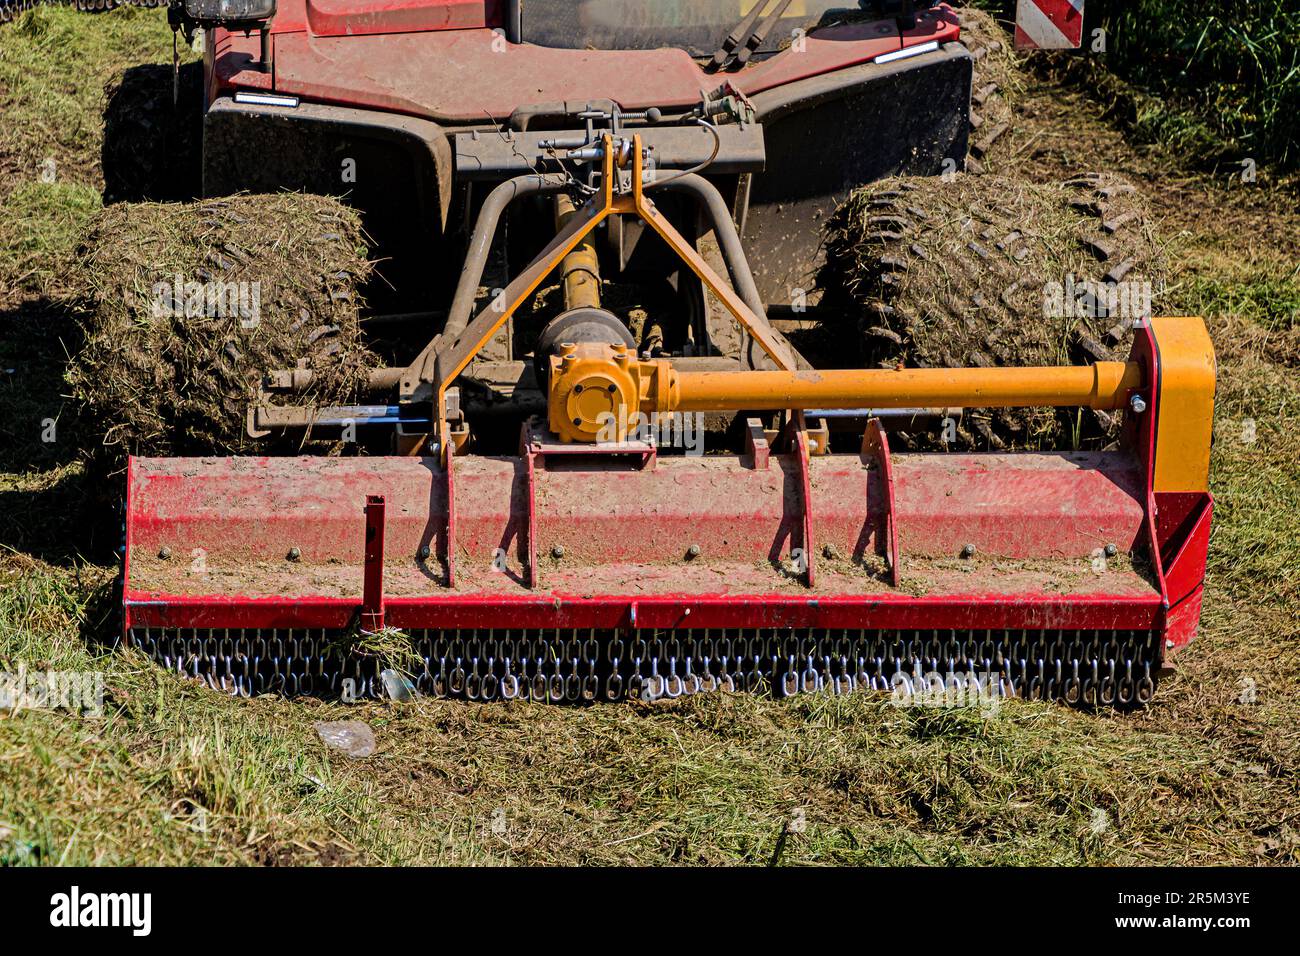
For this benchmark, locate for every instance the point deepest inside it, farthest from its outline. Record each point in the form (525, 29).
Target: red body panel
(466, 75)
(1036, 521)
(334, 18)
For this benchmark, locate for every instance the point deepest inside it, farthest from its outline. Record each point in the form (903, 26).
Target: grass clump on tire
(184, 307)
(986, 271)
(996, 83)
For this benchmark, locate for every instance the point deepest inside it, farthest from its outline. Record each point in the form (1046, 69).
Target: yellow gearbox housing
(597, 389)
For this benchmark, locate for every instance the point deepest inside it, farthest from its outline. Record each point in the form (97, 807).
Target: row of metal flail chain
(10, 9)
(1093, 667)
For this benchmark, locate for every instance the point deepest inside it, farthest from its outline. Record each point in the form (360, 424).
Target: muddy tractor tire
(185, 307)
(995, 83)
(985, 271)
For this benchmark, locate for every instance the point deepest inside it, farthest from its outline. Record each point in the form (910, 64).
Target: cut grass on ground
(55, 66)
(42, 226)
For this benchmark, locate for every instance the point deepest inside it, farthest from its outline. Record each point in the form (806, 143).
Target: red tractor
(524, 530)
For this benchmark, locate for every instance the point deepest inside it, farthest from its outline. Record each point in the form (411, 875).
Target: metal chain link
(10, 9)
(1092, 668)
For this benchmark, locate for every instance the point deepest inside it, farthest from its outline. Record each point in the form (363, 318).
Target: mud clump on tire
(184, 307)
(985, 271)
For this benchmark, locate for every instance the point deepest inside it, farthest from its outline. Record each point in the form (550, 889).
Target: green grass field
(174, 773)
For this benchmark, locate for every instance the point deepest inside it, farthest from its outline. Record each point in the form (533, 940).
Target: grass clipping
(986, 271)
(186, 306)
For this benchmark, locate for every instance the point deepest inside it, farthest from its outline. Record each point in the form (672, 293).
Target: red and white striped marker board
(1049, 24)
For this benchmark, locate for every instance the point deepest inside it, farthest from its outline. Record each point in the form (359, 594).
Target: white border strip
(266, 99)
(908, 52)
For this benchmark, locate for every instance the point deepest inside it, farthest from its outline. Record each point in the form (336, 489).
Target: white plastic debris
(396, 686)
(353, 737)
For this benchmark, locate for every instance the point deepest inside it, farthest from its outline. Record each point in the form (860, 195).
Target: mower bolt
(424, 552)
(557, 551)
(1111, 550)
(165, 553)
(1169, 645)
(692, 552)
(968, 551)
(1138, 404)
(294, 554)
(577, 389)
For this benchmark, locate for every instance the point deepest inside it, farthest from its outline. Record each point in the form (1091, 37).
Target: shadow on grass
(153, 145)
(36, 428)
(100, 625)
(50, 508)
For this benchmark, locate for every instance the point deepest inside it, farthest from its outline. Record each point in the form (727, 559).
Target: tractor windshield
(697, 26)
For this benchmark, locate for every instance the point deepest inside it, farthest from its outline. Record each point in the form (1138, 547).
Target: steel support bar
(801, 455)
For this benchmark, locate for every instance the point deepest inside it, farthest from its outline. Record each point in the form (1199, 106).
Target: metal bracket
(875, 447)
(819, 437)
(448, 456)
(613, 199)
(529, 453)
(372, 593)
(758, 448)
(536, 445)
(799, 441)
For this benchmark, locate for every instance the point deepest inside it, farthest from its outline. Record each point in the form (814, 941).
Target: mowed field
(174, 773)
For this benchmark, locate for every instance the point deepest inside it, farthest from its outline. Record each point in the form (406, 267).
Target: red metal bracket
(875, 445)
(529, 451)
(757, 448)
(449, 458)
(372, 594)
(801, 454)
(536, 445)
(545, 445)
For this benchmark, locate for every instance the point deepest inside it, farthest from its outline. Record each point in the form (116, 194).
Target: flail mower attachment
(591, 566)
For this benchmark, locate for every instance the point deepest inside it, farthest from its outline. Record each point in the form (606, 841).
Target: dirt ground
(174, 773)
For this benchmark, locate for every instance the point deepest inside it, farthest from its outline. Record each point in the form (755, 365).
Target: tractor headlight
(228, 12)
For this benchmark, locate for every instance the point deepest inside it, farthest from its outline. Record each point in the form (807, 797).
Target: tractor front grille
(1107, 668)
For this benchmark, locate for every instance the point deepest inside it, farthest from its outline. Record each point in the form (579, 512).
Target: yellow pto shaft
(1104, 385)
(595, 389)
